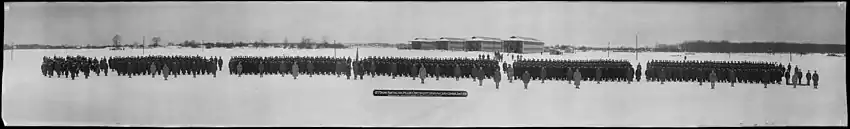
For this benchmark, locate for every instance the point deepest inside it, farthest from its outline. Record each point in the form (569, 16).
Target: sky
(567, 23)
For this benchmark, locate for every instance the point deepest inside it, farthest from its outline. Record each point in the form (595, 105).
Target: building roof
(425, 39)
(524, 39)
(481, 38)
(452, 39)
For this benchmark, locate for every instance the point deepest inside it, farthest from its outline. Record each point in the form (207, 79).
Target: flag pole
(636, 45)
(609, 49)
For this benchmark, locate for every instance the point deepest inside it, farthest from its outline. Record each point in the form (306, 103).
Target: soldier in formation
(725, 71)
(72, 66)
(294, 65)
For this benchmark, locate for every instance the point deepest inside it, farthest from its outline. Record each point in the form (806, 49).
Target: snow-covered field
(32, 99)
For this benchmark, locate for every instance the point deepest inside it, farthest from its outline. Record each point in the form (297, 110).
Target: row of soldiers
(294, 65)
(433, 67)
(719, 71)
(72, 66)
(165, 65)
(595, 70)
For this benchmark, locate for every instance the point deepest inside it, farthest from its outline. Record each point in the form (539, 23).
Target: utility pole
(636, 45)
(143, 45)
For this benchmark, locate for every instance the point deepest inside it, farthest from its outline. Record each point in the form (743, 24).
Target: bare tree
(155, 41)
(116, 40)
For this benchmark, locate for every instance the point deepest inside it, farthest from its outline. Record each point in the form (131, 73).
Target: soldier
(437, 72)
(165, 71)
(570, 75)
(347, 69)
(295, 69)
(765, 78)
(497, 77)
(713, 78)
(458, 72)
(152, 70)
(393, 69)
(662, 76)
(261, 68)
(85, 68)
(130, 69)
(543, 74)
(598, 74)
(577, 78)
(629, 75)
(787, 74)
(372, 68)
(526, 77)
(193, 68)
(510, 72)
(732, 77)
(808, 76)
(283, 69)
(310, 68)
(422, 74)
(795, 79)
(815, 78)
(480, 76)
(638, 72)
(211, 67)
(239, 69)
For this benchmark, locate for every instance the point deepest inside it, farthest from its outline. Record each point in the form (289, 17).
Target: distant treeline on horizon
(757, 47)
(687, 46)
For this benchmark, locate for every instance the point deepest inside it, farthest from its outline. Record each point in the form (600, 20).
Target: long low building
(424, 44)
(488, 44)
(454, 44)
(517, 44)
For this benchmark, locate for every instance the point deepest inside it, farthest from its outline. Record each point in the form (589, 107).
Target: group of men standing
(797, 77)
(719, 72)
(294, 65)
(424, 67)
(593, 70)
(72, 66)
(165, 65)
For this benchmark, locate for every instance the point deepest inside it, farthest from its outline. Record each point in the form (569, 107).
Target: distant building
(424, 43)
(517, 44)
(454, 44)
(487, 44)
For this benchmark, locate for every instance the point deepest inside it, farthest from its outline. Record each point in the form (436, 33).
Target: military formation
(425, 67)
(721, 72)
(292, 65)
(72, 66)
(572, 70)
(167, 66)
(478, 69)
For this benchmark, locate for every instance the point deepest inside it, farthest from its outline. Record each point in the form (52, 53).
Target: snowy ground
(31, 99)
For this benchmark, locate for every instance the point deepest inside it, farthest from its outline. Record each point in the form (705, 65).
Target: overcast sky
(574, 23)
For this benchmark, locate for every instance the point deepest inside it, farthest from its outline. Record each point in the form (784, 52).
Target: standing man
(569, 74)
(372, 68)
(437, 72)
(311, 67)
(765, 77)
(638, 72)
(294, 70)
(525, 78)
(808, 77)
(577, 78)
(239, 69)
(543, 74)
(393, 69)
(815, 78)
(165, 72)
(787, 74)
(130, 68)
(713, 78)
(510, 75)
(629, 75)
(413, 71)
(598, 74)
(283, 69)
(152, 69)
(422, 74)
(662, 75)
(732, 77)
(457, 72)
(497, 77)
(212, 68)
(480, 76)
